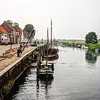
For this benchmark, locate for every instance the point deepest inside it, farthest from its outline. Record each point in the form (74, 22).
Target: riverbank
(90, 46)
(12, 67)
(93, 47)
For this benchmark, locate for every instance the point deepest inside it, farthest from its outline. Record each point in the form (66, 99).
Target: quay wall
(10, 75)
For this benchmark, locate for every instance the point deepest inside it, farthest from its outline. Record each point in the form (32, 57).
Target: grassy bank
(72, 44)
(90, 46)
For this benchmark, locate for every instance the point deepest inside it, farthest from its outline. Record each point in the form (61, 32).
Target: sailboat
(46, 68)
(51, 50)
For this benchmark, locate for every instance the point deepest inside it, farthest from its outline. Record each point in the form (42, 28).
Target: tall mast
(51, 33)
(47, 41)
(47, 47)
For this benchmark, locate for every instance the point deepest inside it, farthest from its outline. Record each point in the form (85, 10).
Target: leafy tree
(91, 37)
(9, 22)
(29, 28)
(15, 24)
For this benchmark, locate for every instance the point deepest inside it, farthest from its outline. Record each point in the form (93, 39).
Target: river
(76, 77)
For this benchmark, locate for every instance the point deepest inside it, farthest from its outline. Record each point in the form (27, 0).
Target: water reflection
(45, 84)
(90, 57)
(74, 79)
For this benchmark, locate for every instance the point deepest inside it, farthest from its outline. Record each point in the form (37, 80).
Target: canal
(76, 77)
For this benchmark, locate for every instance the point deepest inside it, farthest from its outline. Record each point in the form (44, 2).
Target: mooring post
(38, 62)
(22, 63)
(37, 65)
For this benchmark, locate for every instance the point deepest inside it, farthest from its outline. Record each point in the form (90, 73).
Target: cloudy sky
(72, 19)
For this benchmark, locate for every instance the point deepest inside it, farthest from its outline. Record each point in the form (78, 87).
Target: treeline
(91, 42)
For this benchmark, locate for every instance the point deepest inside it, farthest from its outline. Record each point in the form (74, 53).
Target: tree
(15, 24)
(9, 22)
(91, 37)
(29, 28)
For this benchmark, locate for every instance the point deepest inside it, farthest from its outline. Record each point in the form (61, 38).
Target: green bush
(6, 88)
(0, 94)
(92, 47)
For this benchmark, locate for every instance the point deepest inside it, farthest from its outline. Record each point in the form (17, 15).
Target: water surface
(76, 77)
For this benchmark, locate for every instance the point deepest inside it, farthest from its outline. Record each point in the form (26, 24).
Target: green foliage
(29, 61)
(0, 94)
(92, 47)
(10, 22)
(30, 29)
(15, 24)
(6, 88)
(91, 37)
(35, 53)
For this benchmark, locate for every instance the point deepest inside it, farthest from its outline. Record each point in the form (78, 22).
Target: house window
(17, 33)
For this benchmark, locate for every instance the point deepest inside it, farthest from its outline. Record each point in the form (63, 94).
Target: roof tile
(2, 30)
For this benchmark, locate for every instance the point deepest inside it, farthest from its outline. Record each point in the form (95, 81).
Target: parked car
(34, 43)
(4, 42)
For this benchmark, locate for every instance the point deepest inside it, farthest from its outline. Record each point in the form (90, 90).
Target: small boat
(78, 46)
(46, 69)
(96, 50)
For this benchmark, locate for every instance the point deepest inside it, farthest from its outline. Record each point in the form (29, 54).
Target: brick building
(3, 34)
(11, 31)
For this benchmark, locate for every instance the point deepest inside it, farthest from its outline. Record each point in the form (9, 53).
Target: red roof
(9, 25)
(2, 30)
(20, 32)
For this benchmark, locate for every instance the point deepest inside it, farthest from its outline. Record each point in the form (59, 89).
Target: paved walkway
(9, 60)
(6, 47)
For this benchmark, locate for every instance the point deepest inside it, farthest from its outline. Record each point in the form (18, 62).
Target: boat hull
(51, 51)
(45, 74)
(52, 57)
(46, 69)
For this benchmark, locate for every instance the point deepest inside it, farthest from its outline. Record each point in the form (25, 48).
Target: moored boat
(52, 57)
(46, 69)
(51, 50)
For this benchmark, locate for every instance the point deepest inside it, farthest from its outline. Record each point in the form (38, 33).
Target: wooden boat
(52, 57)
(52, 51)
(46, 68)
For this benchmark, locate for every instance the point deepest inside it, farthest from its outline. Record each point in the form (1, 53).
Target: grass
(6, 87)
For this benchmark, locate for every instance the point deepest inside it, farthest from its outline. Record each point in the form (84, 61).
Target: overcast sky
(72, 19)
